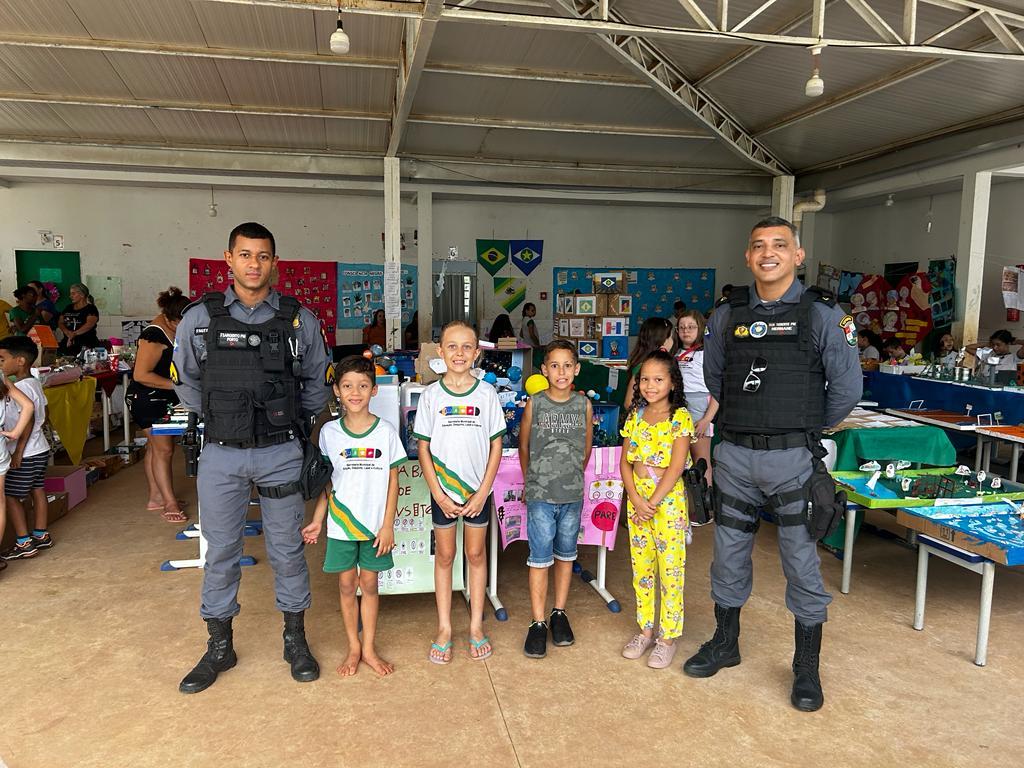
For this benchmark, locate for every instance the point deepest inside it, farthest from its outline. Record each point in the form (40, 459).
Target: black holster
(825, 505)
(699, 498)
(314, 475)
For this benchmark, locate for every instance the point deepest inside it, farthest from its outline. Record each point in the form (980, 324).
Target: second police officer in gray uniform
(782, 361)
(252, 363)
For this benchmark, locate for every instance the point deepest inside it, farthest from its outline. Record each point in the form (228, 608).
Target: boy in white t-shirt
(362, 499)
(30, 453)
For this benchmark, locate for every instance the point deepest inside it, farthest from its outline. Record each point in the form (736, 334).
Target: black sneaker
(561, 632)
(42, 542)
(18, 551)
(536, 646)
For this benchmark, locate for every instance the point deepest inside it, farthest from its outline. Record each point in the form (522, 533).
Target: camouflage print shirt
(558, 436)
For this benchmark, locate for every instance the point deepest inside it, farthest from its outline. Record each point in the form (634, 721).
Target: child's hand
(700, 429)
(311, 533)
(474, 506)
(449, 508)
(385, 540)
(16, 460)
(11, 435)
(644, 511)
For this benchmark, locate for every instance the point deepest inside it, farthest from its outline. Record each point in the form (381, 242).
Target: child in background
(655, 333)
(554, 447)
(699, 402)
(658, 433)
(17, 407)
(362, 497)
(459, 425)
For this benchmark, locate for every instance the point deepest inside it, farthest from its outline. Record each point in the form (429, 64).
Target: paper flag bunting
(510, 291)
(526, 254)
(492, 255)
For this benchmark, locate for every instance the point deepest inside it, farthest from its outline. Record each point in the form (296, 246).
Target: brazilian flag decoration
(492, 254)
(510, 291)
(527, 254)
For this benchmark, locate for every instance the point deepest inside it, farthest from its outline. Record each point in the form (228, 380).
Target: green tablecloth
(921, 445)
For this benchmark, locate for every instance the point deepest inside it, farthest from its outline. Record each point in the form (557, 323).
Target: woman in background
(376, 332)
(78, 321)
(501, 329)
(24, 314)
(45, 298)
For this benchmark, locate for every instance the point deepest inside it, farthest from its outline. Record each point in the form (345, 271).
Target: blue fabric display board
(654, 291)
(361, 293)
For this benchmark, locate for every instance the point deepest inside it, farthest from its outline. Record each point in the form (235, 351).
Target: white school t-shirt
(460, 429)
(691, 366)
(37, 443)
(362, 471)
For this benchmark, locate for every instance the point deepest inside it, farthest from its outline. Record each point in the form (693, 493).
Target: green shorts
(344, 555)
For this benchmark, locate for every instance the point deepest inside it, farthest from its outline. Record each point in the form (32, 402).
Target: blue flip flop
(442, 649)
(477, 644)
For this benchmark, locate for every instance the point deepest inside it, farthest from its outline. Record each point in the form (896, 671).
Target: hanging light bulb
(815, 85)
(213, 205)
(340, 43)
(928, 218)
(890, 201)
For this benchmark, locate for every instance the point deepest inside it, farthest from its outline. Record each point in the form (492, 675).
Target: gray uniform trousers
(226, 476)
(753, 475)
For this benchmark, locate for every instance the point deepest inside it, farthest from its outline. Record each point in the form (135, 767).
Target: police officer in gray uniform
(252, 363)
(782, 361)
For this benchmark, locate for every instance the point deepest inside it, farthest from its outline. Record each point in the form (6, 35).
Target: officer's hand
(474, 506)
(385, 540)
(311, 533)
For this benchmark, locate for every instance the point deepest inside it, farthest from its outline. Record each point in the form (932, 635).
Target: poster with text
(313, 283)
(942, 275)
(361, 293)
(414, 539)
(602, 498)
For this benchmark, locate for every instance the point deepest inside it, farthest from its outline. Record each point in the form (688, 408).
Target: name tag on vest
(231, 340)
(762, 328)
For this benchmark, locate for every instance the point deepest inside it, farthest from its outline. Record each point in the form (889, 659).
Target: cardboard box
(953, 536)
(108, 464)
(69, 480)
(428, 351)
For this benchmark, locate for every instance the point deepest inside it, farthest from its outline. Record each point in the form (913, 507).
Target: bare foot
(377, 664)
(350, 665)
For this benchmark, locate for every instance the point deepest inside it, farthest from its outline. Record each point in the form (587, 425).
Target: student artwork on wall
(942, 276)
(915, 309)
(848, 282)
(527, 254)
(867, 302)
(588, 349)
(649, 292)
(577, 327)
(615, 347)
(586, 304)
(360, 289)
(615, 326)
(313, 283)
(492, 255)
(563, 327)
(510, 292)
(829, 277)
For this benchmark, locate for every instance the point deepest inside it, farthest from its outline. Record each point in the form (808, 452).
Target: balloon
(515, 373)
(393, 370)
(536, 383)
(379, 370)
(377, 349)
(368, 354)
(490, 377)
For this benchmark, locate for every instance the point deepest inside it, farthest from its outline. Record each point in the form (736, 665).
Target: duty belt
(262, 441)
(769, 442)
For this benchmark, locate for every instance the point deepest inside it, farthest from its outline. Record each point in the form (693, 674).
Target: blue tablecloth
(891, 390)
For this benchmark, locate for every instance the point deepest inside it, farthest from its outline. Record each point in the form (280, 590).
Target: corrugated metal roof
(40, 17)
(290, 132)
(199, 128)
(256, 27)
(23, 120)
(262, 83)
(83, 73)
(167, 21)
(108, 124)
(359, 90)
(175, 78)
(376, 37)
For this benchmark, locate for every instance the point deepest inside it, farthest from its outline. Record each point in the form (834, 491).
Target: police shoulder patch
(174, 374)
(849, 329)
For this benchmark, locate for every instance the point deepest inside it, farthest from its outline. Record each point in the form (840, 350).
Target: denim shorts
(439, 520)
(552, 530)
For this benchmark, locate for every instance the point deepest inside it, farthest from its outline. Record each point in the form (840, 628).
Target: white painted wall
(865, 239)
(146, 235)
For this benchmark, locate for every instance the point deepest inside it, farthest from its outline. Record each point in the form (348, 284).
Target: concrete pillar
(424, 263)
(970, 254)
(782, 197)
(393, 252)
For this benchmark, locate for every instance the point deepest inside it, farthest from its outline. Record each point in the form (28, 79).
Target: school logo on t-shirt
(361, 453)
(459, 410)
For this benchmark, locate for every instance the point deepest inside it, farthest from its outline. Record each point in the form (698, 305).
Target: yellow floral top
(652, 443)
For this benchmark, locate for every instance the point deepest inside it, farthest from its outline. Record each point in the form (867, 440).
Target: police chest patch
(231, 340)
(200, 331)
(741, 331)
(849, 329)
(758, 330)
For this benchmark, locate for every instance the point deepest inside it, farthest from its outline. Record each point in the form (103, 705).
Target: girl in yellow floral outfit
(656, 448)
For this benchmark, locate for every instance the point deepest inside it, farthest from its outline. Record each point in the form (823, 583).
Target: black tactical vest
(789, 394)
(251, 376)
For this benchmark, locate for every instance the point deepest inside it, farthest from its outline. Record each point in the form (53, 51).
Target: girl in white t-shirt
(11, 399)
(459, 424)
(701, 405)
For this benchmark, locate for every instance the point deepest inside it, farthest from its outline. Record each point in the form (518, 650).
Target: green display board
(63, 268)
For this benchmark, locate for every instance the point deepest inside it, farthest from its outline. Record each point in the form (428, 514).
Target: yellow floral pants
(657, 552)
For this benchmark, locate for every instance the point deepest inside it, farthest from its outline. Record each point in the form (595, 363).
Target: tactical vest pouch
(277, 406)
(700, 501)
(231, 414)
(313, 477)
(826, 506)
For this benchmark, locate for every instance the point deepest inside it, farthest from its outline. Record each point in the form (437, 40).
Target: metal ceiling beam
(754, 14)
(698, 16)
(910, 21)
(878, 25)
(280, 57)
(1002, 33)
(419, 34)
(553, 127)
(667, 80)
(858, 92)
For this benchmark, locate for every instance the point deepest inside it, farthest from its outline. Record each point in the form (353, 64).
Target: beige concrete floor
(95, 639)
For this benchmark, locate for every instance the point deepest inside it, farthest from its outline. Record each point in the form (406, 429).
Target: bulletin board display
(313, 283)
(361, 293)
(654, 291)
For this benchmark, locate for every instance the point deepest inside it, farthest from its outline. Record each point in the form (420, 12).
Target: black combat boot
(722, 650)
(296, 649)
(219, 657)
(807, 695)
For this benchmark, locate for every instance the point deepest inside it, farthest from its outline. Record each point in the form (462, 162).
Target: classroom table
(974, 538)
(107, 382)
(69, 407)
(897, 391)
(1014, 435)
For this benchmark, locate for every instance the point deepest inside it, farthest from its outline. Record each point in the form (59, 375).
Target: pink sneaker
(662, 655)
(635, 648)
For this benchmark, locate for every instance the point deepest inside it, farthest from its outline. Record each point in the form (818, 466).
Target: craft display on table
(994, 531)
(892, 488)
